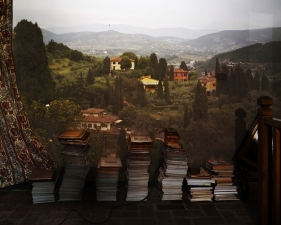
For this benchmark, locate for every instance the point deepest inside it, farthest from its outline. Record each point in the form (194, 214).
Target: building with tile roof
(105, 122)
(115, 63)
(92, 112)
(181, 75)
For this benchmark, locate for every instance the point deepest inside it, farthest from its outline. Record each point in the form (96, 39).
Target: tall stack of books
(75, 146)
(138, 161)
(174, 167)
(223, 173)
(107, 178)
(43, 182)
(199, 185)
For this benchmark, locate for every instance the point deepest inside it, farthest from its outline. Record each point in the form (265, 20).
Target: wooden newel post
(264, 158)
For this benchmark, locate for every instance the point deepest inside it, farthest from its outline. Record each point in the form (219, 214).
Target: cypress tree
(118, 96)
(90, 77)
(167, 91)
(224, 69)
(256, 82)
(264, 83)
(231, 82)
(183, 66)
(200, 103)
(171, 73)
(109, 93)
(122, 143)
(160, 94)
(238, 73)
(162, 69)
(106, 65)
(249, 77)
(140, 95)
(153, 62)
(31, 63)
(217, 69)
(186, 116)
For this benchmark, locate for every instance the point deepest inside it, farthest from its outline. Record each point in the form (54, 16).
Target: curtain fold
(20, 152)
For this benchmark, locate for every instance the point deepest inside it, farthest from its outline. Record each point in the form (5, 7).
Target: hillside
(266, 56)
(112, 43)
(233, 39)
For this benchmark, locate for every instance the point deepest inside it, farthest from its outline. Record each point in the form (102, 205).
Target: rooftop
(100, 119)
(92, 110)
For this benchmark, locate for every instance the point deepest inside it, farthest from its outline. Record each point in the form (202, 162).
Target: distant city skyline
(201, 14)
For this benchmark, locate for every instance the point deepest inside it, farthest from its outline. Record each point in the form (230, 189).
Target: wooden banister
(269, 160)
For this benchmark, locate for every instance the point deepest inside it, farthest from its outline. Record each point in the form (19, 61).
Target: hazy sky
(196, 14)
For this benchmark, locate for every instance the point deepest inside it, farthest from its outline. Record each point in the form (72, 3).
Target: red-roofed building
(181, 75)
(93, 112)
(115, 63)
(105, 122)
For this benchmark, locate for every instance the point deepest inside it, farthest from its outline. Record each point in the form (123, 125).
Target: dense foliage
(31, 63)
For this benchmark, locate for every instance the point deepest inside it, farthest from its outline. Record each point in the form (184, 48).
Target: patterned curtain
(20, 152)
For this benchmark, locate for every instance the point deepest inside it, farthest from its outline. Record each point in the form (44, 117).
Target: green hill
(266, 56)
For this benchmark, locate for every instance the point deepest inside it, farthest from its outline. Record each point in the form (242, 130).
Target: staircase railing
(269, 161)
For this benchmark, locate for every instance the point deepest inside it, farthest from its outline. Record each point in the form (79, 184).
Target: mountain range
(179, 32)
(114, 43)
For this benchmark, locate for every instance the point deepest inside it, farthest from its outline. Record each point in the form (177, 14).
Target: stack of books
(43, 182)
(107, 178)
(199, 185)
(138, 161)
(174, 167)
(223, 173)
(75, 146)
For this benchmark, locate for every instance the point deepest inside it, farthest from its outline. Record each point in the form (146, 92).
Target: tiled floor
(16, 207)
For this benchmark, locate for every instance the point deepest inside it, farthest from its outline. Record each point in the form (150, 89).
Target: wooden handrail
(269, 160)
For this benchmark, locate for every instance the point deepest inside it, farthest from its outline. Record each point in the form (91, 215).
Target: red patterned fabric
(20, 152)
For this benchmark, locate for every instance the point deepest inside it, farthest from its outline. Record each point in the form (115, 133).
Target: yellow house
(209, 82)
(149, 84)
(115, 63)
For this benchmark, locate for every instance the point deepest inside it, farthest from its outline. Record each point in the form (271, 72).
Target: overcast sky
(196, 14)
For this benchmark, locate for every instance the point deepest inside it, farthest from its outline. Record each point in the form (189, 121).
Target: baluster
(264, 155)
(276, 176)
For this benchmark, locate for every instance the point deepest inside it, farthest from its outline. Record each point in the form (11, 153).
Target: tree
(143, 124)
(133, 56)
(143, 63)
(224, 69)
(217, 69)
(122, 144)
(106, 65)
(200, 103)
(186, 116)
(118, 96)
(108, 95)
(167, 91)
(160, 94)
(162, 69)
(125, 63)
(75, 55)
(153, 62)
(171, 73)
(90, 77)
(128, 115)
(140, 96)
(183, 66)
(256, 82)
(31, 63)
(264, 83)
